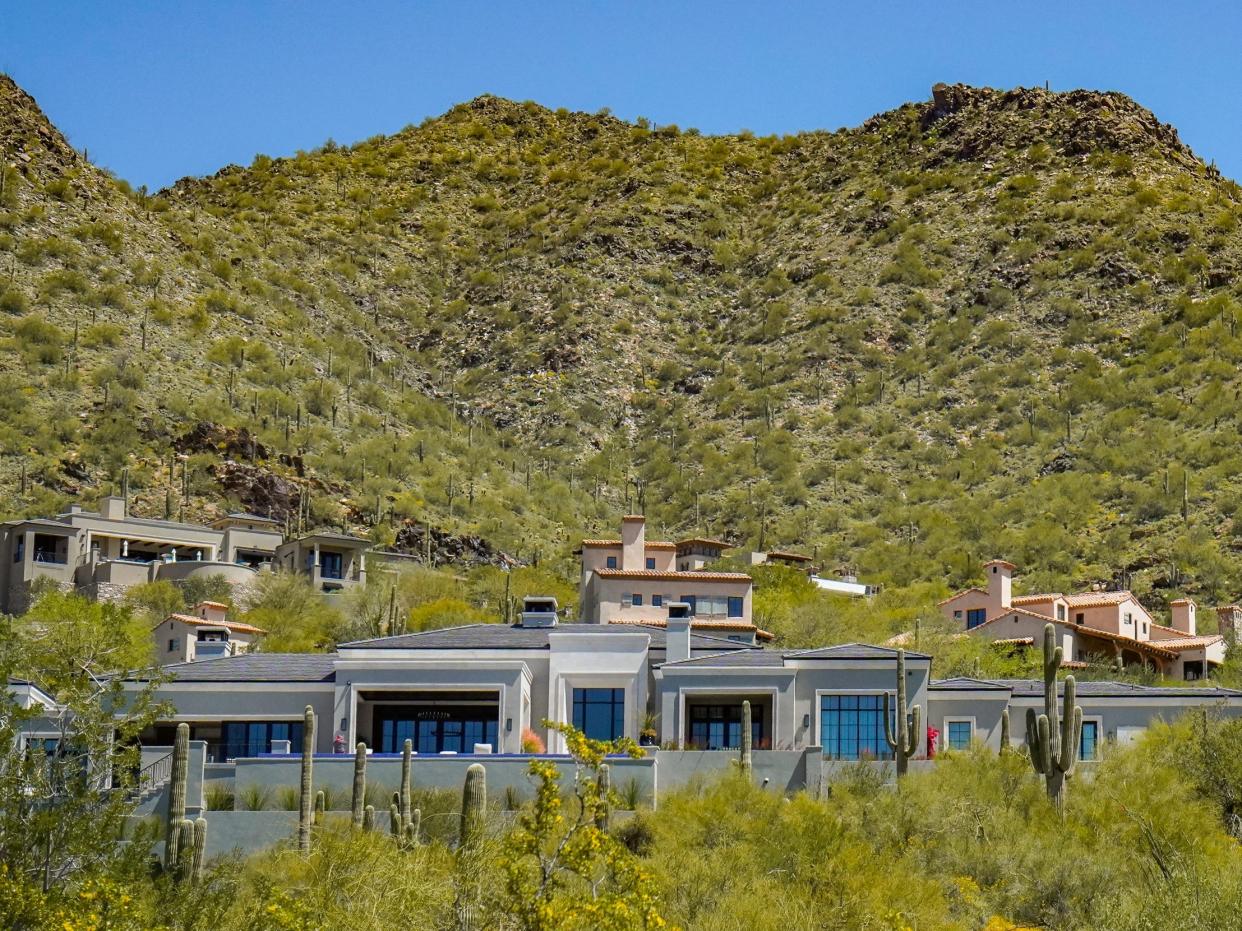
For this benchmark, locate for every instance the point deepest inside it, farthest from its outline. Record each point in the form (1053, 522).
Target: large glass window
(437, 732)
(958, 734)
(975, 617)
(330, 565)
(1088, 744)
(600, 713)
(852, 727)
(719, 727)
(251, 738)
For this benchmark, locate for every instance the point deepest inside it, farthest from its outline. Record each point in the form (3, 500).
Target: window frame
(948, 722)
(649, 563)
(616, 701)
(740, 601)
(884, 753)
(972, 613)
(610, 562)
(1098, 722)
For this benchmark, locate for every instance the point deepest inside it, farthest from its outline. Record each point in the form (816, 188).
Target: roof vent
(539, 611)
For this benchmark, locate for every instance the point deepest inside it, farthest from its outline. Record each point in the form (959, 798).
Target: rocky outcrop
(259, 490)
(458, 549)
(208, 437)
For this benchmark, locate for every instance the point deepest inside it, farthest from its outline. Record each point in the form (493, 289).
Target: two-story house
(632, 580)
(205, 634)
(1112, 625)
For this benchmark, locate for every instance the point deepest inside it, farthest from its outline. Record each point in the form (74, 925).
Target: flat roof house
(102, 553)
(332, 561)
(1112, 625)
(478, 687)
(633, 580)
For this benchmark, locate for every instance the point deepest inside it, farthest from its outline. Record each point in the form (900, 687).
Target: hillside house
(633, 581)
(205, 634)
(1109, 625)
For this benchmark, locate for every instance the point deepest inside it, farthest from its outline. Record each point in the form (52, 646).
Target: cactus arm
(415, 825)
(889, 737)
(185, 850)
(1044, 746)
(406, 751)
(368, 818)
(394, 820)
(200, 848)
(745, 757)
(912, 744)
(1004, 734)
(1032, 737)
(473, 807)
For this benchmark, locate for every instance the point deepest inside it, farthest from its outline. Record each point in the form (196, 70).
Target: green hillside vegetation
(1004, 325)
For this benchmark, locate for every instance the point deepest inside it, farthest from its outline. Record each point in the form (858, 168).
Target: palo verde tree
(562, 870)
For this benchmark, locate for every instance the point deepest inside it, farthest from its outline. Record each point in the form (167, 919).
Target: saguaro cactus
(603, 783)
(406, 752)
(176, 795)
(395, 824)
(1052, 737)
(1004, 735)
(360, 783)
(905, 742)
(473, 807)
(321, 806)
(305, 799)
(368, 818)
(200, 849)
(745, 759)
(185, 850)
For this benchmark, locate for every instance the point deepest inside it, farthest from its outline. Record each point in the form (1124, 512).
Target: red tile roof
(682, 576)
(957, 595)
(197, 621)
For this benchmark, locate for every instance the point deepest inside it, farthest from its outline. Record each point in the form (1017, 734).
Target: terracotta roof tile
(706, 624)
(197, 621)
(650, 544)
(683, 576)
(956, 595)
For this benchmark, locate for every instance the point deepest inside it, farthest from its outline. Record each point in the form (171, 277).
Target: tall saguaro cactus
(360, 783)
(905, 743)
(744, 760)
(407, 751)
(200, 849)
(473, 806)
(176, 795)
(603, 784)
(306, 799)
(1054, 737)
(1004, 734)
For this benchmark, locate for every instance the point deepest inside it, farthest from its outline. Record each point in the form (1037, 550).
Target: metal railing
(153, 775)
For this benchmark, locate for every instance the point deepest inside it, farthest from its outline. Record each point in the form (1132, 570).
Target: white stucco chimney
(212, 611)
(113, 508)
(1000, 583)
(633, 542)
(1183, 610)
(677, 638)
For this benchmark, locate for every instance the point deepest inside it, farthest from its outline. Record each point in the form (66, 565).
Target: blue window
(650, 562)
(250, 738)
(692, 601)
(735, 606)
(330, 565)
(851, 727)
(636, 600)
(600, 713)
(611, 562)
(1090, 737)
(657, 601)
(975, 617)
(958, 735)
(458, 731)
(719, 727)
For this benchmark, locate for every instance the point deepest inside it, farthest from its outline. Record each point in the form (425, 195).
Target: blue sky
(158, 90)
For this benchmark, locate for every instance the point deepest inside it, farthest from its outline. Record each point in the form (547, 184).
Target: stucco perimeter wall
(430, 772)
(784, 770)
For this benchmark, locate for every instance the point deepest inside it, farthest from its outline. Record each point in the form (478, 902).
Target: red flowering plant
(933, 736)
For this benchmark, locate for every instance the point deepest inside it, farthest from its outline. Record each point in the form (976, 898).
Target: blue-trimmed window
(600, 713)
(636, 600)
(1088, 744)
(975, 617)
(657, 601)
(851, 727)
(250, 738)
(610, 562)
(650, 562)
(958, 735)
(735, 605)
(692, 601)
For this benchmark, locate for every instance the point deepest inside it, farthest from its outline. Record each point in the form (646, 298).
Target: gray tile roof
(965, 683)
(852, 651)
(737, 659)
(258, 667)
(1033, 688)
(516, 637)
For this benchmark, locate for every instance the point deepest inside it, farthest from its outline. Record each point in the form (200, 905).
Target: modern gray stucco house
(452, 690)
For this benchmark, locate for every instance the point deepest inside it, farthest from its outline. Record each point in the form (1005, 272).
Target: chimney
(539, 611)
(212, 611)
(633, 542)
(677, 638)
(1183, 611)
(113, 508)
(1000, 582)
(1230, 623)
